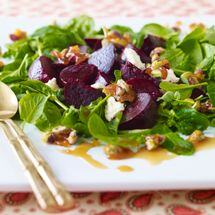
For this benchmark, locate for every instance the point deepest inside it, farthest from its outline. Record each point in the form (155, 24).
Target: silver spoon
(50, 194)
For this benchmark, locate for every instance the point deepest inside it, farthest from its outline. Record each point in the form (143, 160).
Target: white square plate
(180, 172)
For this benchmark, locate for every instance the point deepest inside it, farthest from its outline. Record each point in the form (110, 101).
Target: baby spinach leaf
(176, 144)
(49, 118)
(197, 34)
(210, 35)
(158, 30)
(211, 91)
(211, 72)
(206, 63)
(83, 25)
(208, 49)
(189, 120)
(122, 29)
(31, 107)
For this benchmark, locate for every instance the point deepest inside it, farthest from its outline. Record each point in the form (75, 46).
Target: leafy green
(189, 120)
(83, 25)
(49, 118)
(31, 107)
(211, 91)
(175, 143)
(117, 74)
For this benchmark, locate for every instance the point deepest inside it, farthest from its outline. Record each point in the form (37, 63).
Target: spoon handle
(42, 194)
(62, 197)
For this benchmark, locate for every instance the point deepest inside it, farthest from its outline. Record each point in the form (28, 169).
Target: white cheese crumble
(72, 138)
(171, 77)
(98, 86)
(121, 83)
(113, 108)
(53, 84)
(132, 56)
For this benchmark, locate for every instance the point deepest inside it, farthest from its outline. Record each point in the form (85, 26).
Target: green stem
(61, 104)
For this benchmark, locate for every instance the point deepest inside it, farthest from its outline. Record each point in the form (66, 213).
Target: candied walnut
(192, 26)
(62, 136)
(18, 35)
(153, 141)
(73, 53)
(115, 38)
(199, 74)
(204, 107)
(1, 64)
(160, 63)
(157, 50)
(193, 80)
(196, 136)
(121, 91)
(116, 152)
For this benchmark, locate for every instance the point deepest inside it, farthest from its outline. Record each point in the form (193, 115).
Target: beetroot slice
(130, 71)
(104, 58)
(42, 69)
(140, 114)
(78, 94)
(103, 79)
(151, 42)
(83, 72)
(93, 43)
(145, 85)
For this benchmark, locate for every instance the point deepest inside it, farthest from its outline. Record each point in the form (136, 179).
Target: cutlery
(50, 193)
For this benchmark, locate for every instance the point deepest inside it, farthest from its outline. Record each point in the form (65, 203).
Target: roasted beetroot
(78, 94)
(42, 69)
(104, 58)
(140, 114)
(83, 72)
(130, 71)
(151, 42)
(103, 79)
(145, 85)
(94, 43)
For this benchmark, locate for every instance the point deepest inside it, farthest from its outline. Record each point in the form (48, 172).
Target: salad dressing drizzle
(82, 152)
(125, 168)
(153, 157)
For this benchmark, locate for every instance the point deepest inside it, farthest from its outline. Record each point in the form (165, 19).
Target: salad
(129, 90)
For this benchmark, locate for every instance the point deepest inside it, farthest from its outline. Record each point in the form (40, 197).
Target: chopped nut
(192, 26)
(153, 141)
(121, 91)
(196, 136)
(193, 80)
(116, 152)
(73, 53)
(116, 38)
(157, 50)
(204, 107)
(62, 136)
(1, 64)
(18, 35)
(199, 74)
(148, 71)
(160, 63)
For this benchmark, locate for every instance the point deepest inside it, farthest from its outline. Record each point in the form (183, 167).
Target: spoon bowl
(8, 103)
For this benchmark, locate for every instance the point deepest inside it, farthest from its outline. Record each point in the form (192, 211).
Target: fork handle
(62, 197)
(41, 192)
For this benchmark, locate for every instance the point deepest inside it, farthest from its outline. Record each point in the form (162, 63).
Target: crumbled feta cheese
(113, 108)
(53, 84)
(121, 83)
(72, 138)
(171, 77)
(98, 86)
(132, 56)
